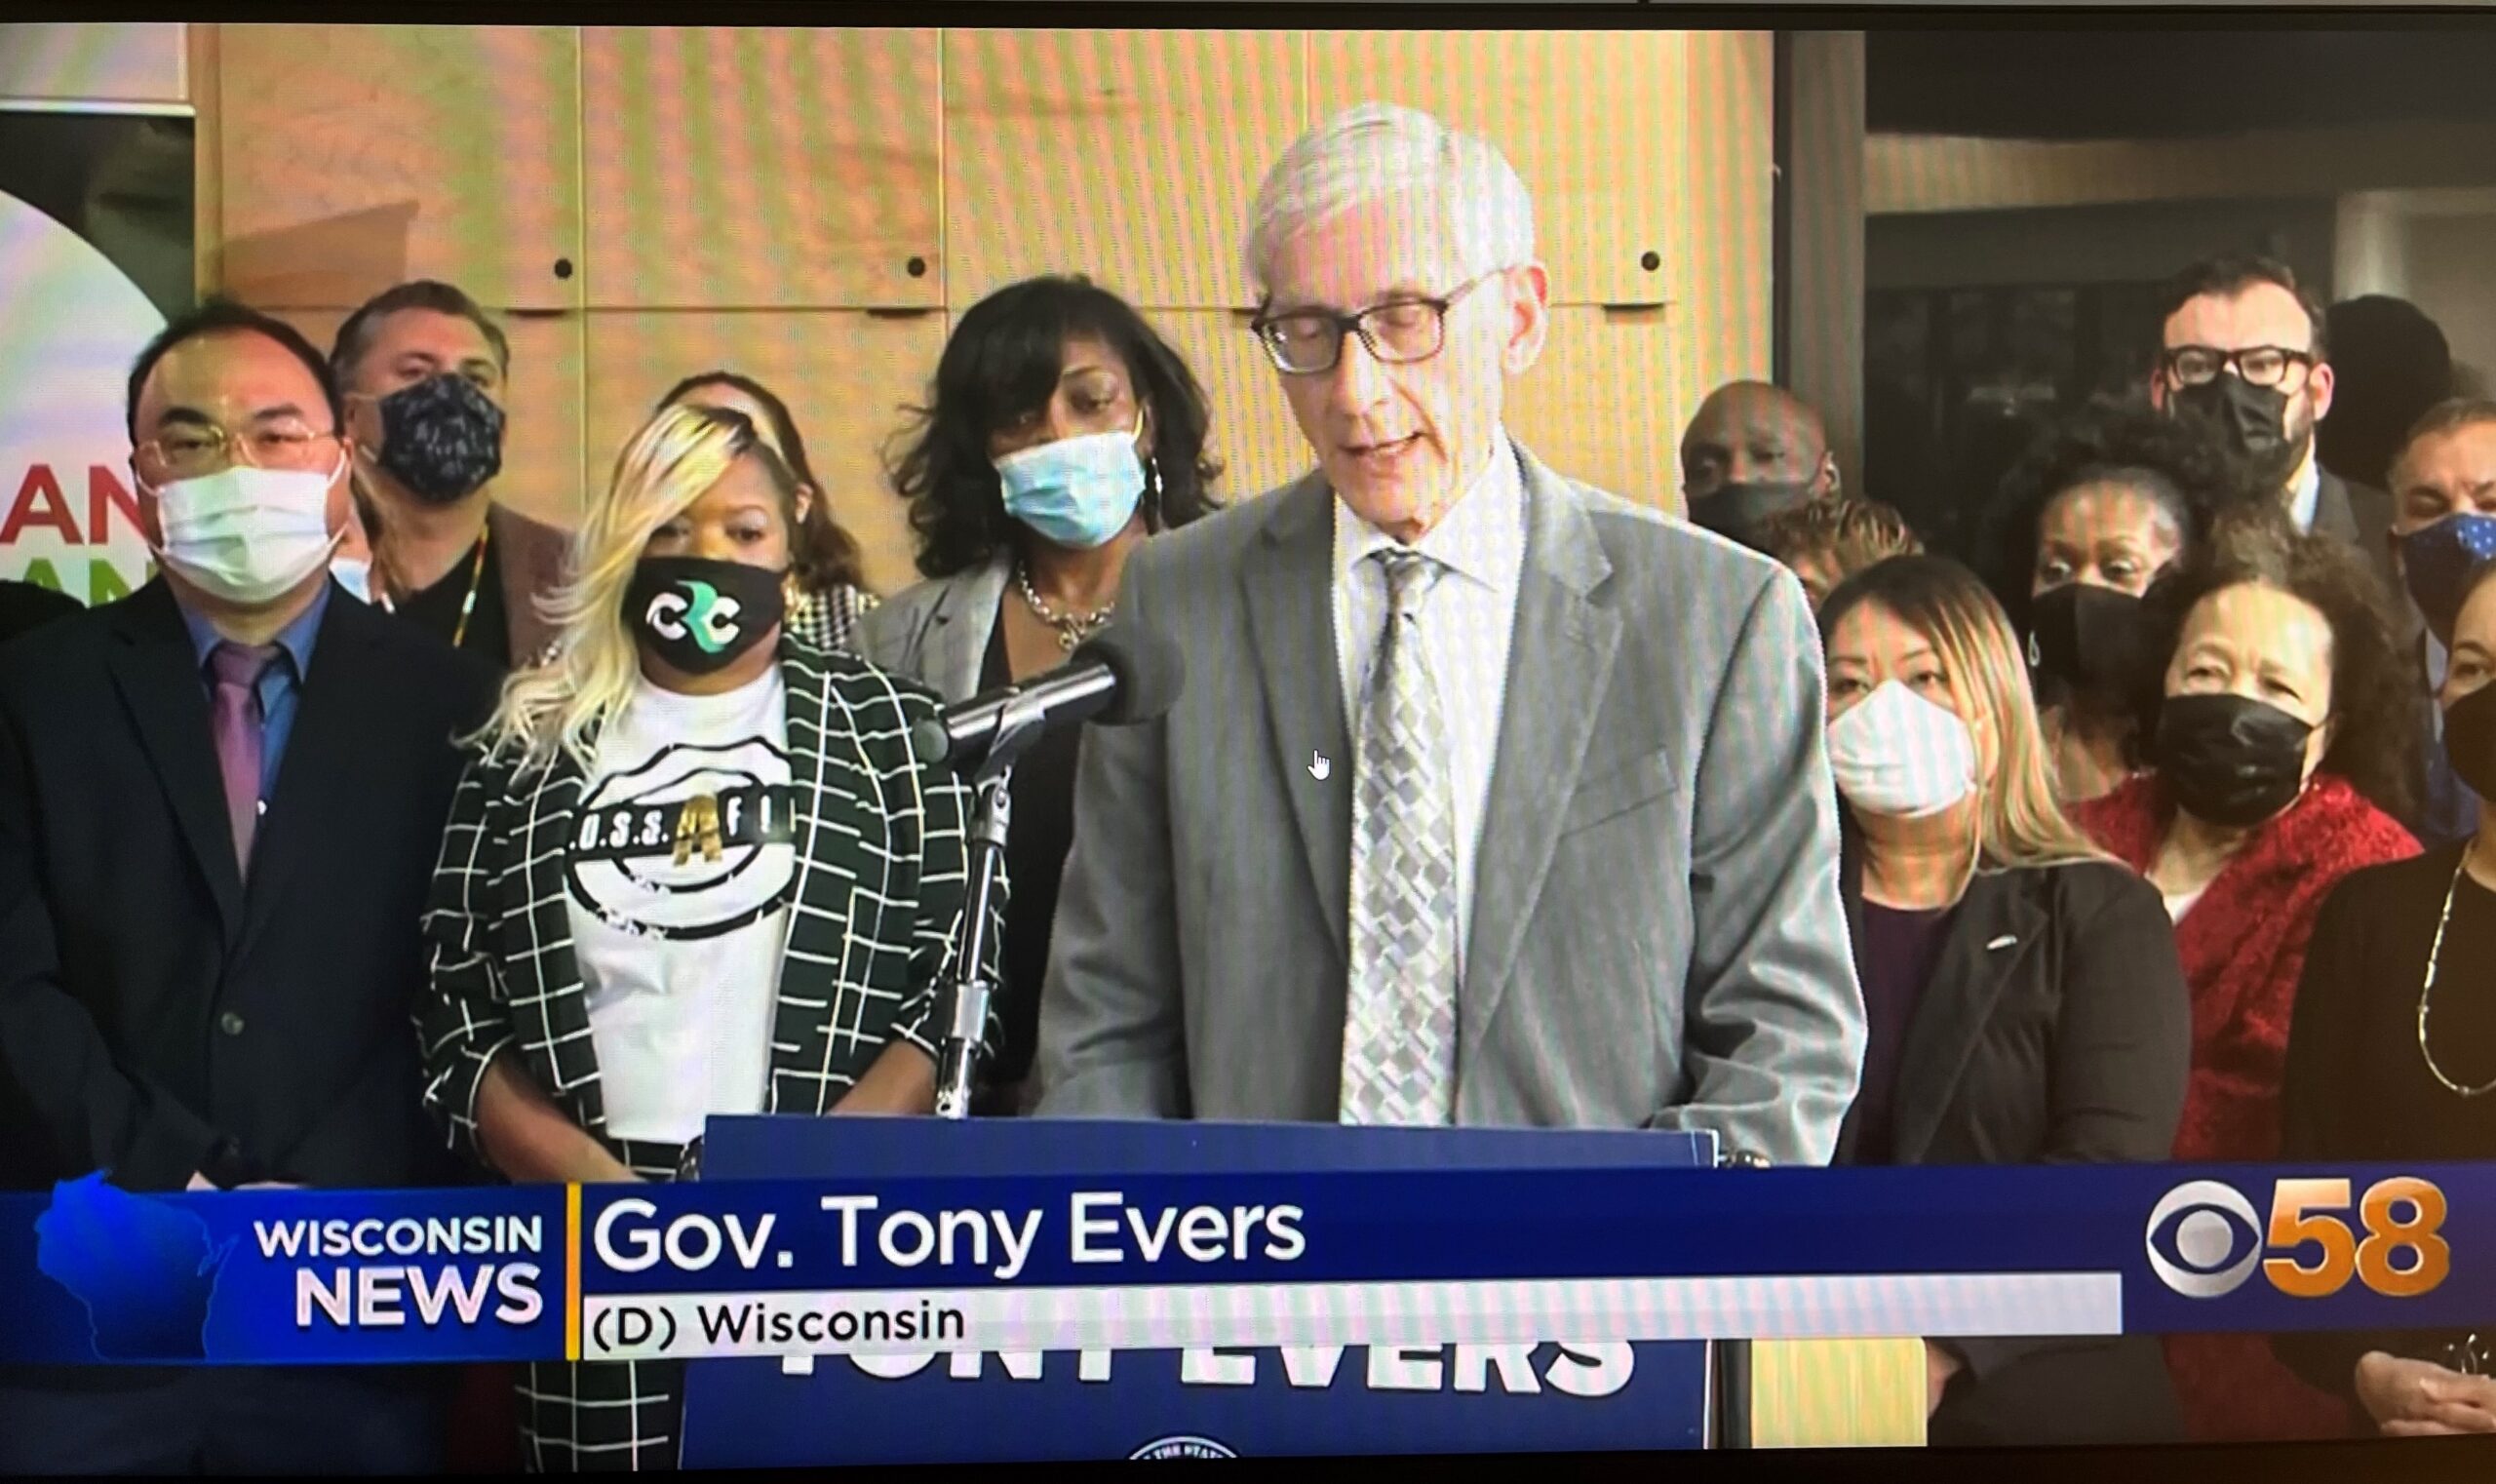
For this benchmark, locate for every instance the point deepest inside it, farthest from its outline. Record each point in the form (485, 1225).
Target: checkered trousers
(603, 1416)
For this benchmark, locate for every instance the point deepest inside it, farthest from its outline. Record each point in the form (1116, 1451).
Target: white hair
(1376, 150)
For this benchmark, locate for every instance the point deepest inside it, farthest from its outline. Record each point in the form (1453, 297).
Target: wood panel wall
(813, 205)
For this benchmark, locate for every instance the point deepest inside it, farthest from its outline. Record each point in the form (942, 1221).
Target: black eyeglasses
(2258, 365)
(1307, 342)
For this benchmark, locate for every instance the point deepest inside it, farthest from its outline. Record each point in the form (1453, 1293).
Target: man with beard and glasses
(425, 373)
(2244, 349)
(1753, 451)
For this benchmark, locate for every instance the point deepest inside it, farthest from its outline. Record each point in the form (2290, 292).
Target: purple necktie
(235, 717)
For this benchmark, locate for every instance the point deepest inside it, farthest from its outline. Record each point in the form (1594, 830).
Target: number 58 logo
(2205, 1239)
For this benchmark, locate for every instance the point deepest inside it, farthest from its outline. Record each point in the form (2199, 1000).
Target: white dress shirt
(1467, 622)
(2304, 496)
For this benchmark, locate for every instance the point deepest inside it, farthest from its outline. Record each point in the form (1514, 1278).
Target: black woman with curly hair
(2098, 507)
(1061, 432)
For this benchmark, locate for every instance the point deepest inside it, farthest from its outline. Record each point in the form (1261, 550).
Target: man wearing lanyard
(220, 801)
(426, 374)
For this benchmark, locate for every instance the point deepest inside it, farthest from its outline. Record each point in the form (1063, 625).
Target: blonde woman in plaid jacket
(692, 868)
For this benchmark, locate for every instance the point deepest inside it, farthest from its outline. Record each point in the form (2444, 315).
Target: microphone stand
(969, 984)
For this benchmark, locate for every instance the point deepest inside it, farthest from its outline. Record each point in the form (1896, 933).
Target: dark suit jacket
(25, 605)
(533, 558)
(153, 1007)
(2056, 1028)
(2361, 515)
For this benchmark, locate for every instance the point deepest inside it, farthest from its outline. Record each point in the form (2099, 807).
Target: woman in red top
(2279, 739)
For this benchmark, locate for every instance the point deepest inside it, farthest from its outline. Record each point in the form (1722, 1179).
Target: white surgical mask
(1897, 755)
(247, 535)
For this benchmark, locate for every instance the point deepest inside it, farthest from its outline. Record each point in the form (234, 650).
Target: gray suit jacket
(1657, 939)
(936, 632)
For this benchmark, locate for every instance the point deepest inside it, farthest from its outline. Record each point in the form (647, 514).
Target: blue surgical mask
(2436, 562)
(355, 574)
(1077, 491)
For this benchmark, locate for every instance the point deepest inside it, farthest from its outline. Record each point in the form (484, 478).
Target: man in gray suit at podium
(1492, 799)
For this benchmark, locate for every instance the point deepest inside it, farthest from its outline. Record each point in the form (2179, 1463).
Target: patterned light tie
(235, 717)
(1399, 1014)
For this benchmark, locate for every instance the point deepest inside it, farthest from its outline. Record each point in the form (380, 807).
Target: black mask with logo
(698, 614)
(2229, 759)
(2086, 637)
(2469, 740)
(2251, 421)
(442, 438)
(1737, 512)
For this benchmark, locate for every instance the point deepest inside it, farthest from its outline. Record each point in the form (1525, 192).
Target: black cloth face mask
(2229, 760)
(699, 615)
(2469, 740)
(1737, 512)
(441, 438)
(2085, 636)
(2252, 420)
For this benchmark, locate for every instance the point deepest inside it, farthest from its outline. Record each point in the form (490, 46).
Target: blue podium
(972, 1407)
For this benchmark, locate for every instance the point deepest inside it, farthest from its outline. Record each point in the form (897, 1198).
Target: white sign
(70, 325)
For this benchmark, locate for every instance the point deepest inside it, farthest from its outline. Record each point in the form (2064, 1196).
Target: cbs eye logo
(2206, 1239)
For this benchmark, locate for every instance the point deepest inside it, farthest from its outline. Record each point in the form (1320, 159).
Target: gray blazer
(1658, 939)
(936, 632)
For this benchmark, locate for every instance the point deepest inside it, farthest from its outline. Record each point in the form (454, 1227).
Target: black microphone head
(1150, 670)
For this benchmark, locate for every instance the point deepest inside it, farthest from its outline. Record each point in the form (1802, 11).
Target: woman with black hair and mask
(1061, 431)
(2097, 508)
(2377, 1071)
(2279, 742)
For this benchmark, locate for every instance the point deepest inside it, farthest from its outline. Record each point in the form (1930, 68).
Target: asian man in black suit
(220, 800)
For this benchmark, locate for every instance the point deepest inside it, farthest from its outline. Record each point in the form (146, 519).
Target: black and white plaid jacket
(881, 875)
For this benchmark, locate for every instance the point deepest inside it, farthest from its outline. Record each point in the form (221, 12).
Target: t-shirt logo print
(699, 612)
(698, 825)
(693, 842)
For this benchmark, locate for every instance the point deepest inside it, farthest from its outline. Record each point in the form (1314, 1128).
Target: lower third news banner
(1447, 1279)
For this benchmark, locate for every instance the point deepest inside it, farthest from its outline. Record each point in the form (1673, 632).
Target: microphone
(1116, 679)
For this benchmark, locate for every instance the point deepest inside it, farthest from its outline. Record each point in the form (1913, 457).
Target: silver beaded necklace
(1072, 628)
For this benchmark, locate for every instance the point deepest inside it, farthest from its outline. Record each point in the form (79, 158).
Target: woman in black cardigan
(2023, 992)
(2391, 1053)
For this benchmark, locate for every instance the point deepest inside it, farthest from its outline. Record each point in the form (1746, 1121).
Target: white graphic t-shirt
(680, 866)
